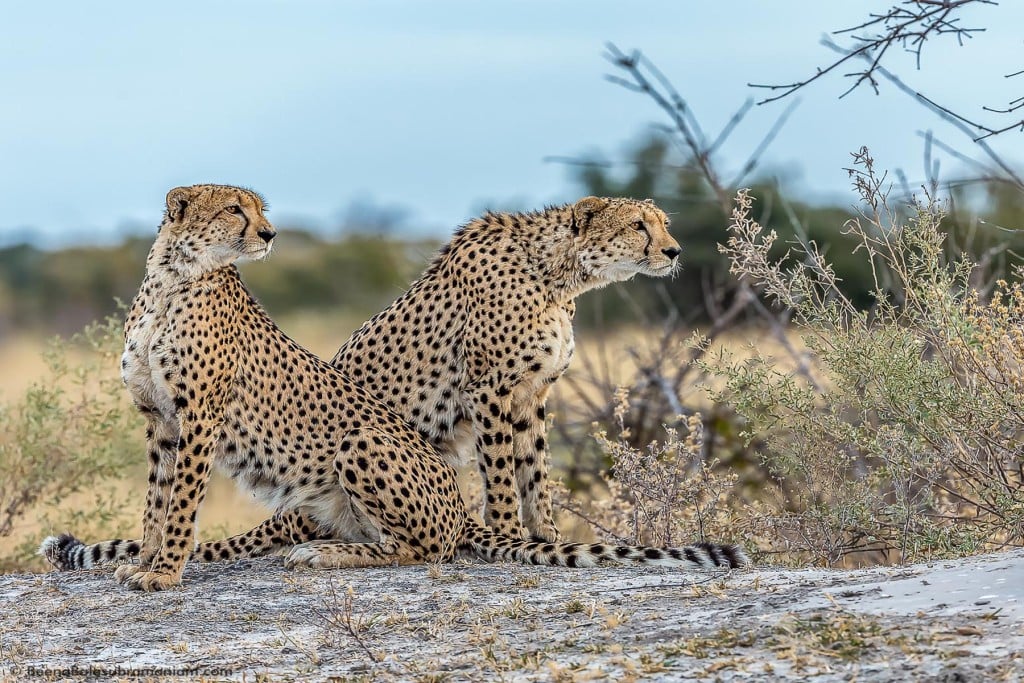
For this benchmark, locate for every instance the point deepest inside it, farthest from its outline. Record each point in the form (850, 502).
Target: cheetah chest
(145, 368)
(551, 349)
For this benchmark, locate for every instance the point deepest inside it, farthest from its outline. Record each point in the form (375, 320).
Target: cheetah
(468, 353)
(220, 384)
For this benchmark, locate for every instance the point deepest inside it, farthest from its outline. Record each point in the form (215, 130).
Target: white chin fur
(254, 255)
(618, 272)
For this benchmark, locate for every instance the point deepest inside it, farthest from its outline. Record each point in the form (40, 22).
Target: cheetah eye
(234, 209)
(639, 225)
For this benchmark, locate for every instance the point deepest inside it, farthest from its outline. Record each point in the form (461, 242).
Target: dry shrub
(902, 442)
(664, 493)
(894, 437)
(67, 433)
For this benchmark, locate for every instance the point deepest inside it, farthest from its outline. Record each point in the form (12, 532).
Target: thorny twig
(910, 25)
(946, 115)
(340, 615)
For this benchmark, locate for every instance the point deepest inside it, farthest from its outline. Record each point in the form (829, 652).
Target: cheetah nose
(671, 252)
(267, 234)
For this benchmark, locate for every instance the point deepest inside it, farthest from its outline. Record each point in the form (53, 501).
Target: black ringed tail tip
(64, 552)
(492, 546)
(730, 556)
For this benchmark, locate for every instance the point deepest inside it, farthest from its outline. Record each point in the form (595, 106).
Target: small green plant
(838, 634)
(701, 647)
(574, 606)
(70, 432)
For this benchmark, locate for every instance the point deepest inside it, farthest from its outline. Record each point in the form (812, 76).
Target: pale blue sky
(443, 107)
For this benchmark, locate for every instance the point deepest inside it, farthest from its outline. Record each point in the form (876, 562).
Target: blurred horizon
(422, 116)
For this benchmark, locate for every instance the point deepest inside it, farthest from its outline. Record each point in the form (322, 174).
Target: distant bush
(71, 430)
(61, 291)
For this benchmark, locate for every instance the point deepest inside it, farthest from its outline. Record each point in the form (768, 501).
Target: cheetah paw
(546, 533)
(304, 555)
(127, 571)
(511, 529)
(151, 581)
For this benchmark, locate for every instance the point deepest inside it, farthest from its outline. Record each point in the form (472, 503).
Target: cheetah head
(211, 226)
(618, 238)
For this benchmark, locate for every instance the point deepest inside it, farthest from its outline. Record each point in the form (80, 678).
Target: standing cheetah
(220, 384)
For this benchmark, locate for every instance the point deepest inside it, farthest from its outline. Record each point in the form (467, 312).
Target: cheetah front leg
(162, 445)
(198, 428)
(529, 441)
(493, 428)
(414, 504)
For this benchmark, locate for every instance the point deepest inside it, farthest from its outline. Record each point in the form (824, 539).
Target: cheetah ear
(177, 200)
(584, 210)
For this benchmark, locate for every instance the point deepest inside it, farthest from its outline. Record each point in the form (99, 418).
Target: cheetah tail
(492, 547)
(65, 552)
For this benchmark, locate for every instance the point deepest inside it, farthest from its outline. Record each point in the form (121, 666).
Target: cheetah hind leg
(338, 555)
(367, 468)
(286, 528)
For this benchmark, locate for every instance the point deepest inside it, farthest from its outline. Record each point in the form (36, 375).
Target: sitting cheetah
(220, 384)
(471, 349)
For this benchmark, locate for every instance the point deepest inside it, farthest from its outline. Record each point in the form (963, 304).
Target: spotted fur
(219, 383)
(469, 353)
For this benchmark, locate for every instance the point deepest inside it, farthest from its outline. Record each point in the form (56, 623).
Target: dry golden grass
(20, 364)
(612, 359)
(227, 510)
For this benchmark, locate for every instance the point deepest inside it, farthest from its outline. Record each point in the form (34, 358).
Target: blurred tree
(60, 291)
(364, 215)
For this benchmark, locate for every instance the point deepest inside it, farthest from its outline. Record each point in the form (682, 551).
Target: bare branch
(755, 156)
(642, 76)
(669, 100)
(730, 126)
(790, 88)
(960, 156)
(989, 132)
(909, 24)
(945, 114)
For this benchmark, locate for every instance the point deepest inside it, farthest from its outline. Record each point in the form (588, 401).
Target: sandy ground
(951, 621)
